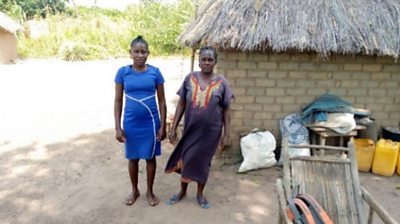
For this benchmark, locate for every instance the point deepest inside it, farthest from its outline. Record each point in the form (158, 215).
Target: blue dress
(141, 121)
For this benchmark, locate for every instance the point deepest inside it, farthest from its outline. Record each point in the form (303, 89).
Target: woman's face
(139, 53)
(207, 62)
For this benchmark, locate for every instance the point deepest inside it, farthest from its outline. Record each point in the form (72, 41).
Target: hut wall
(8, 47)
(269, 87)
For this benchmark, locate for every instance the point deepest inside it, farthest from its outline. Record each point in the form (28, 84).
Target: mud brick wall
(269, 87)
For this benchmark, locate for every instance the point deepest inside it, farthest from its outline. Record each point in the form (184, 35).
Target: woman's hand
(224, 142)
(120, 135)
(161, 134)
(173, 137)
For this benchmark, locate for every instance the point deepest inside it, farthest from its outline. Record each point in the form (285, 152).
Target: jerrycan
(385, 158)
(365, 149)
(398, 164)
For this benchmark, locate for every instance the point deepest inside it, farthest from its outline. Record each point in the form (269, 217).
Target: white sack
(257, 151)
(342, 123)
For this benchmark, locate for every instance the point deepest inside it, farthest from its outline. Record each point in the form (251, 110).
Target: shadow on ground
(85, 180)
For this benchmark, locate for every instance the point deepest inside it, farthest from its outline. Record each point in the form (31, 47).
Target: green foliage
(161, 24)
(30, 8)
(104, 33)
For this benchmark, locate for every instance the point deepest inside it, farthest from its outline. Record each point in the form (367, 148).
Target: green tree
(32, 8)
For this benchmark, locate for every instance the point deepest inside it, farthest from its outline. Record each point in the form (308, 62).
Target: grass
(103, 33)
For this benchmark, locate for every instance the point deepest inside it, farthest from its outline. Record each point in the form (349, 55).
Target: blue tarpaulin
(318, 110)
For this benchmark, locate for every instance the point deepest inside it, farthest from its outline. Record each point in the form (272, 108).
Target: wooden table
(319, 135)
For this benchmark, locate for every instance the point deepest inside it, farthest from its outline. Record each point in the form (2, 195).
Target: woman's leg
(133, 167)
(182, 193)
(177, 197)
(200, 197)
(151, 166)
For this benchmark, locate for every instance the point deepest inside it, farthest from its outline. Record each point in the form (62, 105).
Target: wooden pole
(75, 8)
(283, 217)
(286, 167)
(192, 59)
(382, 213)
(196, 9)
(356, 181)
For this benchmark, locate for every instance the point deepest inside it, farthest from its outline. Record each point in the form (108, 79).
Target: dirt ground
(59, 162)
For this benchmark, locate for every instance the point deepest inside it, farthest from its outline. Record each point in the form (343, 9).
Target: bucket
(385, 158)
(392, 133)
(365, 149)
(370, 130)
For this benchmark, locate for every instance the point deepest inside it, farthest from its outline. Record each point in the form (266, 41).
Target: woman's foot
(202, 201)
(152, 199)
(176, 198)
(130, 200)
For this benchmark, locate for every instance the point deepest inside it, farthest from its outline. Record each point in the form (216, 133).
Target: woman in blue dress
(142, 131)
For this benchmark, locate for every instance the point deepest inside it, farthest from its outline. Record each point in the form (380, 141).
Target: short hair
(139, 39)
(209, 48)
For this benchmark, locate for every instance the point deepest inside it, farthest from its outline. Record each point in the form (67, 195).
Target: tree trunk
(75, 8)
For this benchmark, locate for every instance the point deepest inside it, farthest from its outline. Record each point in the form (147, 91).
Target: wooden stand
(320, 134)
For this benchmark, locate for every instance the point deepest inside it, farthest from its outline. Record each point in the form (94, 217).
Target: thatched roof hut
(8, 40)
(7, 24)
(279, 55)
(368, 27)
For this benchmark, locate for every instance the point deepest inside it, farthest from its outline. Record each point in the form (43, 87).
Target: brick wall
(269, 87)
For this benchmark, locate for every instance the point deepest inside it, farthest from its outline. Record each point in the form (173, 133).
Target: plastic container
(370, 130)
(392, 133)
(365, 149)
(385, 158)
(398, 164)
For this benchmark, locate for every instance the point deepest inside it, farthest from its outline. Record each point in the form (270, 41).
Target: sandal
(130, 200)
(175, 199)
(153, 201)
(203, 203)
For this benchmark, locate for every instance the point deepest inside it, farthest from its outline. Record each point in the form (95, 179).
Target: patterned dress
(141, 120)
(203, 123)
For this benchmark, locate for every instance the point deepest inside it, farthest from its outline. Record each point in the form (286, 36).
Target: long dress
(141, 120)
(203, 124)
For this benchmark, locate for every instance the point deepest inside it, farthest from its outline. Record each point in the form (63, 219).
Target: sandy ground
(59, 162)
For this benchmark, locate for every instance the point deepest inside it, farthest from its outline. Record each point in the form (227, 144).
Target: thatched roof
(370, 27)
(7, 24)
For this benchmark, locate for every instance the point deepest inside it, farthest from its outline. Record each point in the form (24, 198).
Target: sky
(115, 4)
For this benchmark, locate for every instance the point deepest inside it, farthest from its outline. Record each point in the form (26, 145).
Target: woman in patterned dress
(204, 99)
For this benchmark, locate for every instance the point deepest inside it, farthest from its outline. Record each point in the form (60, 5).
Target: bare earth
(59, 162)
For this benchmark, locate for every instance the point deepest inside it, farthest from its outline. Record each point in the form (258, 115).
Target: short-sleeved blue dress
(141, 119)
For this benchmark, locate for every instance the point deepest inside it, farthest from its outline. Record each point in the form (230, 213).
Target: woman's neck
(139, 68)
(207, 76)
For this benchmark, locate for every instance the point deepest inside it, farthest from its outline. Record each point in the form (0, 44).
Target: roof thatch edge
(8, 24)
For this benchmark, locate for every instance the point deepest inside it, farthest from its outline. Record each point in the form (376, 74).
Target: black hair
(209, 48)
(139, 39)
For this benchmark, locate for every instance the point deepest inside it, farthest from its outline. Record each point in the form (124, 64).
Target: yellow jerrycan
(385, 158)
(365, 149)
(398, 164)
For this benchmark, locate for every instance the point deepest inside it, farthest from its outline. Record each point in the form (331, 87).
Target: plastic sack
(257, 151)
(292, 129)
(342, 123)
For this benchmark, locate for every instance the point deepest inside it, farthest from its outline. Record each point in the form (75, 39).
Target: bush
(79, 52)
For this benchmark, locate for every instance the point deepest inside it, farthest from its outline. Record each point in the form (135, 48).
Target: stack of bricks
(268, 87)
